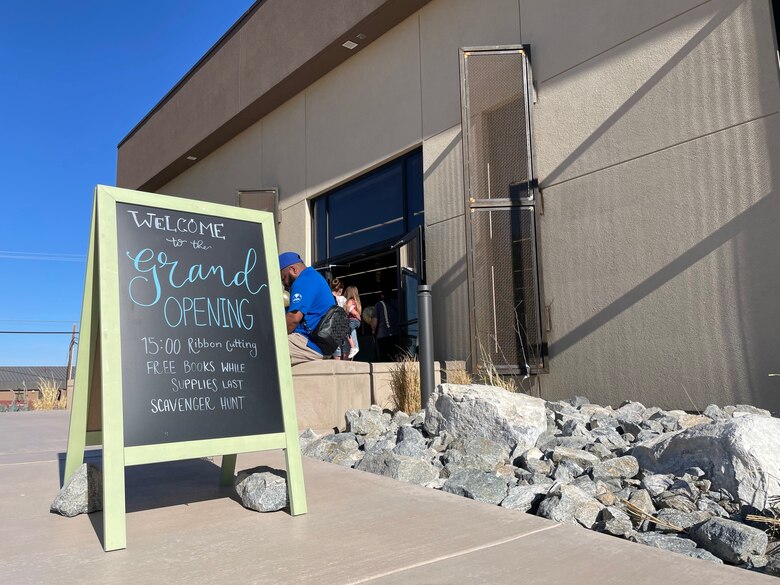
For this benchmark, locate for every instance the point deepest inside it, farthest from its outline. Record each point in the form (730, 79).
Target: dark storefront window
(373, 209)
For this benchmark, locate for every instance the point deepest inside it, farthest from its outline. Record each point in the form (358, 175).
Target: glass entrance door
(410, 266)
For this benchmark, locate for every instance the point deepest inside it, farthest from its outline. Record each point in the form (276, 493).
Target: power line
(47, 256)
(37, 332)
(37, 321)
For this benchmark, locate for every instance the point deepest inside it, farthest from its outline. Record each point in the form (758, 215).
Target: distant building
(16, 380)
(594, 182)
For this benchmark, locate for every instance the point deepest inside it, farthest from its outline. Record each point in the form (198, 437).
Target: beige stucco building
(631, 219)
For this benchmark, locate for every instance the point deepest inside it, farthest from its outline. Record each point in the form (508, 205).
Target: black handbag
(332, 330)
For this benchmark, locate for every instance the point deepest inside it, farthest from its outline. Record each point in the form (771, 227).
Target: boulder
(341, 449)
(368, 421)
(740, 455)
(510, 419)
(570, 505)
(262, 489)
(729, 540)
(477, 453)
(401, 467)
(616, 468)
(477, 485)
(524, 497)
(82, 493)
(615, 521)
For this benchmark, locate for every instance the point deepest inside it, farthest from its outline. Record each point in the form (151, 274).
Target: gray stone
(339, 448)
(400, 467)
(307, 437)
(409, 433)
(582, 458)
(714, 412)
(412, 448)
(82, 493)
(477, 453)
(604, 493)
(400, 418)
(741, 455)
(377, 445)
(641, 499)
(507, 418)
(603, 421)
(675, 502)
(711, 508)
(646, 435)
(519, 458)
(681, 520)
(749, 409)
(540, 466)
(629, 407)
(773, 565)
(729, 540)
(704, 555)
(594, 410)
(668, 542)
(567, 471)
(617, 468)
(477, 485)
(615, 521)
(657, 483)
(578, 401)
(576, 428)
(576, 442)
(586, 484)
(599, 451)
(262, 489)
(524, 498)
(610, 438)
(570, 505)
(368, 421)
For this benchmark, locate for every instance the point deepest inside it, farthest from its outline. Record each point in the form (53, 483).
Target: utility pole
(70, 364)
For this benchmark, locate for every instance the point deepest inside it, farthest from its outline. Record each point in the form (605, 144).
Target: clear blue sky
(76, 77)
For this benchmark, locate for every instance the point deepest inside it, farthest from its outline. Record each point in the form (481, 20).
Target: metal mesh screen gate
(505, 289)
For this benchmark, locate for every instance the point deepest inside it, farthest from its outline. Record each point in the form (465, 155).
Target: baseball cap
(288, 259)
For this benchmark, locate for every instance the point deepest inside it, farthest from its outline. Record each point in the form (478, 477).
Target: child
(337, 289)
(354, 310)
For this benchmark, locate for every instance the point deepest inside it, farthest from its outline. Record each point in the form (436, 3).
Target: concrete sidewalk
(361, 528)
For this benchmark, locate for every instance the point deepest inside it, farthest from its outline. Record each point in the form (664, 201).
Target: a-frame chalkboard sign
(183, 349)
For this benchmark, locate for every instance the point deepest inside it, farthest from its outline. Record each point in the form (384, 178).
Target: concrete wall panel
(565, 33)
(284, 147)
(366, 110)
(445, 247)
(294, 231)
(219, 176)
(709, 69)
(444, 28)
(443, 176)
(663, 276)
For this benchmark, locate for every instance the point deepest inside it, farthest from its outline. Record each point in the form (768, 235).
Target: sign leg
(296, 491)
(228, 470)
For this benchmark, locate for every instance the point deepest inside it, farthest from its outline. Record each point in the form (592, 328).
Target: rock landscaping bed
(703, 485)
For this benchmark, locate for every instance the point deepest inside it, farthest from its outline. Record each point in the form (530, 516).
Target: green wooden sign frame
(99, 372)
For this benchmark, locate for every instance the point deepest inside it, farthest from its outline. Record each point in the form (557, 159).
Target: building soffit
(273, 52)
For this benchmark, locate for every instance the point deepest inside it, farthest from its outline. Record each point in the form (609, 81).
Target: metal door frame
(472, 204)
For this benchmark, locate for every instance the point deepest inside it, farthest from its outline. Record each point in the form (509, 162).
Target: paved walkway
(361, 528)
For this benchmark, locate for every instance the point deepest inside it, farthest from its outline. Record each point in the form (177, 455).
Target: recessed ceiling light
(360, 36)
(349, 45)
(192, 157)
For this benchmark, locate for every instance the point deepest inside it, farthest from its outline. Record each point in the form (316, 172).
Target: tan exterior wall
(655, 134)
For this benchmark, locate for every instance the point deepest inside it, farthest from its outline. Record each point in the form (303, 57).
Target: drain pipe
(425, 320)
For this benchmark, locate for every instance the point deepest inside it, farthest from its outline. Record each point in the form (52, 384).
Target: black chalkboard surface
(197, 347)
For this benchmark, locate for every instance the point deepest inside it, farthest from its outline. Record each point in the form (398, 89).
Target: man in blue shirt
(310, 298)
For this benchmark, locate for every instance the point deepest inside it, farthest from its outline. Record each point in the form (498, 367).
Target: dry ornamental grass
(48, 400)
(405, 385)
